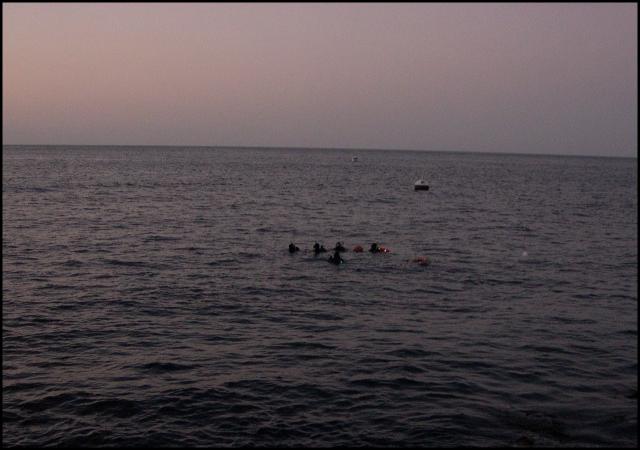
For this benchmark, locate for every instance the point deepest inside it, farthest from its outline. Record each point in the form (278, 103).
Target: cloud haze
(521, 78)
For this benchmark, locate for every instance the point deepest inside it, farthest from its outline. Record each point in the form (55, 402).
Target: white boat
(421, 185)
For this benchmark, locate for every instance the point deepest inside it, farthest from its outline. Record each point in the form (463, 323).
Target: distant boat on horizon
(421, 185)
(354, 159)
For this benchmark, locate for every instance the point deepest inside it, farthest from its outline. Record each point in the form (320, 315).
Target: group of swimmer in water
(339, 248)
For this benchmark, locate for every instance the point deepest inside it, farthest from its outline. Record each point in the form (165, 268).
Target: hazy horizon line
(271, 147)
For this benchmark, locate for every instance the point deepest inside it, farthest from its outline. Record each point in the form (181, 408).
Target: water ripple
(149, 299)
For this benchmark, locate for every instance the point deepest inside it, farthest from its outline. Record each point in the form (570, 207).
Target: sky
(548, 78)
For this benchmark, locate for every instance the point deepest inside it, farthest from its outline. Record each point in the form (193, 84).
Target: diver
(293, 248)
(335, 258)
(317, 248)
(374, 248)
(339, 247)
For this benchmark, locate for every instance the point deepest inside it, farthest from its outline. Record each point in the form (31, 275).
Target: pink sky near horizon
(522, 78)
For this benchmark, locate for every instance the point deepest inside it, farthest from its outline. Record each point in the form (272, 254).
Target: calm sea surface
(149, 298)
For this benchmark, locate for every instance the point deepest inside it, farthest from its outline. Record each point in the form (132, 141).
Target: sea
(149, 298)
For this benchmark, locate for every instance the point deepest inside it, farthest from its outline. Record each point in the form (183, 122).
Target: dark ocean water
(149, 298)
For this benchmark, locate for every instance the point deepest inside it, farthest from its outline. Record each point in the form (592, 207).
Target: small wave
(30, 189)
(538, 422)
(629, 332)
(117, 407)
(10, 416)
(221, 262)
(406, 368)
(222, 339)
(72, 263)
(255, 386)
(160, 367)
(54, 401)
(117, 262)
(324, 316)
(397, 383)
(18, 387)
(409, 353)
(54, 286)
(305, 345)
(586, 296)
(568, 320)
(250, 255)
(158, 238)
(190, 249)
